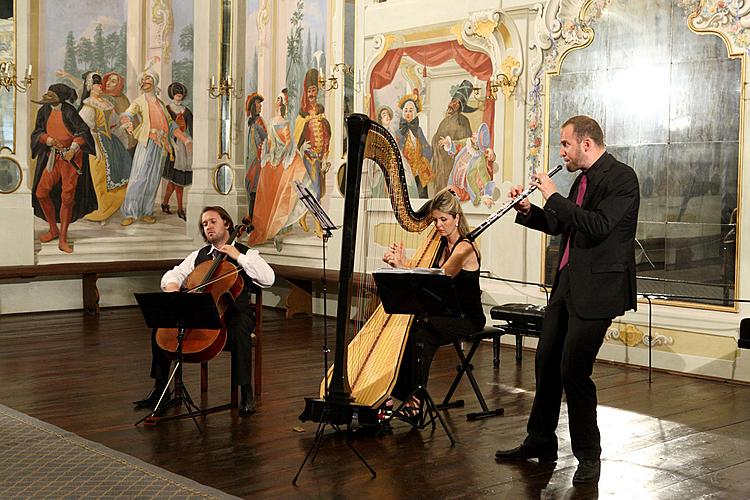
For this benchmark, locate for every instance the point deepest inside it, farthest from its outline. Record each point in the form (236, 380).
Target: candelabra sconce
(9, 80)
(332, 82)
(226, 87)
(501, 81)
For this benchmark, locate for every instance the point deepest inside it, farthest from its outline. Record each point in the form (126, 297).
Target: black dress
(436, 331)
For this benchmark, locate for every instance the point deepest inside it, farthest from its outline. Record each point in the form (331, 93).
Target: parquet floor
(676, 438)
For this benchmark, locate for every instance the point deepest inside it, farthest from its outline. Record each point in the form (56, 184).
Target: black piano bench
(521, 320)
(467, 368)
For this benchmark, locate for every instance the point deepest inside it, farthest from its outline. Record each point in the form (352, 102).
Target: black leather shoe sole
(526, 453)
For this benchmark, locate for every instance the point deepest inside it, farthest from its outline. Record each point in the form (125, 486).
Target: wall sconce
(225, 87)
(332, 83)
(8, 77)
(500, 81)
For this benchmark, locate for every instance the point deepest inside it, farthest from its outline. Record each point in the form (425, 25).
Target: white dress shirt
(251, 262)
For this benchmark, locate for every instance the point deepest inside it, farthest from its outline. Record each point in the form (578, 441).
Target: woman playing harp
(459, 259)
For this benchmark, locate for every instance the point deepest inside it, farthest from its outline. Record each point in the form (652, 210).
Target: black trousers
(424, 340)
(240, 325)
(565, 359)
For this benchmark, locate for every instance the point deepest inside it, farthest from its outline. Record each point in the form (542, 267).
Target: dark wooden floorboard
(676, 438)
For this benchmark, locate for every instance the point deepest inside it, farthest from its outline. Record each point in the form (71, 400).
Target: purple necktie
(579, 202)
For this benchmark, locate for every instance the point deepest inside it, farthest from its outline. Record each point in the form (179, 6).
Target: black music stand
(420, 292)
(331, 414)
(327, 225)
(179, 310)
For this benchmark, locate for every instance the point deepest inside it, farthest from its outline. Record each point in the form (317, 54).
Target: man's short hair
(585, 126)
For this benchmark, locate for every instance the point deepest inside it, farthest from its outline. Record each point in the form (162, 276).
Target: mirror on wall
(7, 97)
(223, 178)
(10, 175)
(225, 58)
(670, 105)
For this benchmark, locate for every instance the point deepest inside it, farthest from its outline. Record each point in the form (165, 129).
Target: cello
(222, 280)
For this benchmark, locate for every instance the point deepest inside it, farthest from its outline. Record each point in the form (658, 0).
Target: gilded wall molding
(487, 31)
(560, 26)
(730, 19)
(163, 25)
(632, 336)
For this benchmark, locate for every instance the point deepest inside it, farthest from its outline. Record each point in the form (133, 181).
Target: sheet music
(410, 270)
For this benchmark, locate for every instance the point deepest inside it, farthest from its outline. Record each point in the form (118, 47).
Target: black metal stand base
(329, 414)
(423, 416)
(182, 397)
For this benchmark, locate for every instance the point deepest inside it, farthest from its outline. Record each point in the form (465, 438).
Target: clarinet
(473, 235)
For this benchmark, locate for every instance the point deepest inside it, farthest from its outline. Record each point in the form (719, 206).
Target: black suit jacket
(602, 238)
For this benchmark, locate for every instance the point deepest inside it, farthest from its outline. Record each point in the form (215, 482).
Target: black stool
(467, 368)
(521, 320)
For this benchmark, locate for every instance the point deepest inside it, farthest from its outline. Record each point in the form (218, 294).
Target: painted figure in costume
(154, 134)
(412, 142)
(113, 86)
(178, 171)
(277, 207)
(377, 180)
(256, 136)
(385, 118)
(61, 142)
(471, 176)
(456, 126)
(312, 135)
(110, 163)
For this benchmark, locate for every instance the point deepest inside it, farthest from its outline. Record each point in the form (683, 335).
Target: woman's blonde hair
(445, 201)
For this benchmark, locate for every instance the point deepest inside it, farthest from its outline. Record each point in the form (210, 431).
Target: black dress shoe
(247, 403)
(247, 408)
(525, 452)
(587, 472)
(153, 397)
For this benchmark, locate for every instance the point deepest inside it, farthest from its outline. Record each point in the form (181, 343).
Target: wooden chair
(256, 302)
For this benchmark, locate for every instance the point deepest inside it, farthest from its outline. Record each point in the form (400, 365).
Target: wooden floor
(676, 438)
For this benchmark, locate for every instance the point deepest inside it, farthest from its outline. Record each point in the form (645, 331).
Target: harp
(365, 370)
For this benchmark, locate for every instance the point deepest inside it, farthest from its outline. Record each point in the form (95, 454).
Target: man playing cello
(215, 227)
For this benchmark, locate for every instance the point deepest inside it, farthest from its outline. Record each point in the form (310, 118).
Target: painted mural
(100, 155)
(292, 146)
(424, 95)
(7, 104)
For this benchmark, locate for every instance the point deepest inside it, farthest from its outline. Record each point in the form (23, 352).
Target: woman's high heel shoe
(181, 214)
(165, 209)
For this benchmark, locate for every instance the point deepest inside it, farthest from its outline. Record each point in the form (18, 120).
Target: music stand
(311, 203)
(327, 225)
(181, 310)
(420, 292)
